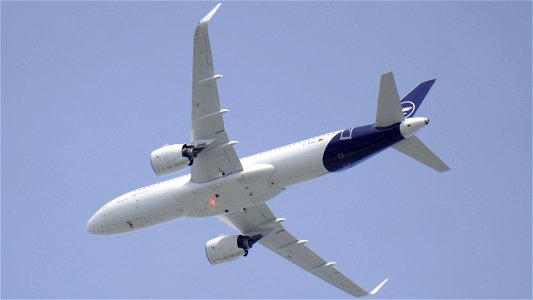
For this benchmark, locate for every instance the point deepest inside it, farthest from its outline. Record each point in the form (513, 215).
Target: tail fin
(414, 148)
(413, 100)
(389, 109)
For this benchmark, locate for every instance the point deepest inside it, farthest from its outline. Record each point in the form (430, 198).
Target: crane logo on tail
(408, 108)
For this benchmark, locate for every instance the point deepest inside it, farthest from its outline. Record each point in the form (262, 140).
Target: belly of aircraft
(248, 188)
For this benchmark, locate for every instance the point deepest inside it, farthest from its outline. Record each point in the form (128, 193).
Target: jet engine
(229, 247)
(173, 158)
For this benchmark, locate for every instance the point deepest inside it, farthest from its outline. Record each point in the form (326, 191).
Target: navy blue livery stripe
(352, 146)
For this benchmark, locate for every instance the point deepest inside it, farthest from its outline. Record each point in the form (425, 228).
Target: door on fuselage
(346, 134)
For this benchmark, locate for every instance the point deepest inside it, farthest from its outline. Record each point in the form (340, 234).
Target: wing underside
(261, 220)
(219, 157)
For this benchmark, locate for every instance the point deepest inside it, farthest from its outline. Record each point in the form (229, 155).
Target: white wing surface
(218, 158)
(260, 220)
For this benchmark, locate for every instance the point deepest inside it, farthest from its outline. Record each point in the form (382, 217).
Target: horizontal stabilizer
(389, 109)
(414, 148)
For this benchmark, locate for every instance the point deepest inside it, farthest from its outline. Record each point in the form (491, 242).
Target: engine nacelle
(169, 159)
(229, 247)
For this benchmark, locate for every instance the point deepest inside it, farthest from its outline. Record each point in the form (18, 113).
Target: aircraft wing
(218, 158)
(260, 220)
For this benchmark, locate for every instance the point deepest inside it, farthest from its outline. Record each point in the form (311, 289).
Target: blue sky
(89, 89)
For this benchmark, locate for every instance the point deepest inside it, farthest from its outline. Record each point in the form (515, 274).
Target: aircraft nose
(93, 225)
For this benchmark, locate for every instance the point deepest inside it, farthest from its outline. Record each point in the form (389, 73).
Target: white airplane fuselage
(264, 176)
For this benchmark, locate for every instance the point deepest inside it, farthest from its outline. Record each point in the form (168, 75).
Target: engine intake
(229, 247)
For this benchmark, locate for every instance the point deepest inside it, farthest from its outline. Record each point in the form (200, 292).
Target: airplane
(236, 190)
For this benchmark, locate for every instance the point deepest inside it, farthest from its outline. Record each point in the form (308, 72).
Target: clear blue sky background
(89, 89)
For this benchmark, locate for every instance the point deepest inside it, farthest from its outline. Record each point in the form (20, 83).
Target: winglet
(208, 17)
(376, 290)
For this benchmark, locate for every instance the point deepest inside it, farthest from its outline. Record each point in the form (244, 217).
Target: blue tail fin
(413, 100)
